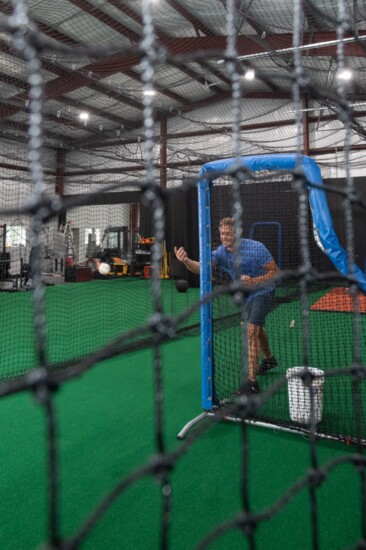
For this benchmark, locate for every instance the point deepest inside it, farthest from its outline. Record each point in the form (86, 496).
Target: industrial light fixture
(249, 74)
(345, 74)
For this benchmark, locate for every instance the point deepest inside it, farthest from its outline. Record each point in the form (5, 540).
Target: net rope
(44, 381)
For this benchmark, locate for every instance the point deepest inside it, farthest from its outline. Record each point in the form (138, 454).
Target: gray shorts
(258, 308)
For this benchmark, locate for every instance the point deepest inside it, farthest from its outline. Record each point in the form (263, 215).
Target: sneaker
(266, 365)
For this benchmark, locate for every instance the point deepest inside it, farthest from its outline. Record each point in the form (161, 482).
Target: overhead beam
(223, 130)
(91, 143)
(104, 18)
(192, 45)
(184, 12)
(314, 22)
(64, 75)
(213, 46)
(247, 45)
(195, 162)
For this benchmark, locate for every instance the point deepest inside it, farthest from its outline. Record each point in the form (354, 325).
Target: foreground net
(304, 283)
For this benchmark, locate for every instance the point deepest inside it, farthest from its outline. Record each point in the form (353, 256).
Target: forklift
(115, 250)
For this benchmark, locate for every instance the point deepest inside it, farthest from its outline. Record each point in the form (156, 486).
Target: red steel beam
(163, 153)
(60, 172)
(179, 46)
(305, 125)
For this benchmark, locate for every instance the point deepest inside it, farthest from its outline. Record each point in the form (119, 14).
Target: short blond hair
(226, 221)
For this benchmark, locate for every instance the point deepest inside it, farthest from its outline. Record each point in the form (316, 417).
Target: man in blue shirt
(256, 266)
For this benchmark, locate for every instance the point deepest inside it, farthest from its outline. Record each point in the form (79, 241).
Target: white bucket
(299, 395)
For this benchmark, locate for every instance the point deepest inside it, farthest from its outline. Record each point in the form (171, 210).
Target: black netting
(270, 215)
(108, 110)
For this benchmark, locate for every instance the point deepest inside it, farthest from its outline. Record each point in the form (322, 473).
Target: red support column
(163, 153)
(60, 180)
(305, 125)
(60, 171)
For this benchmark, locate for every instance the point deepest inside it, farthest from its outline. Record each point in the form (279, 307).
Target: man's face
(227, 236)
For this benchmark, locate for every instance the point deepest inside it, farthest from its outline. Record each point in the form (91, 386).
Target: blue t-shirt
(253, 256)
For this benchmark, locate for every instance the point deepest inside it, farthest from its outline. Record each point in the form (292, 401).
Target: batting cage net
(128, 131)
(269, 202)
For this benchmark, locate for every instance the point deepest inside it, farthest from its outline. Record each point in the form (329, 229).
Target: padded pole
(204, 230)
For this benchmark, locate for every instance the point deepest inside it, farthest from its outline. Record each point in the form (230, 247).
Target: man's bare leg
(254, 350)
(264, 343)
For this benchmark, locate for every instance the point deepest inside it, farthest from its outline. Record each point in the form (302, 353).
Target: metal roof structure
(92, 62)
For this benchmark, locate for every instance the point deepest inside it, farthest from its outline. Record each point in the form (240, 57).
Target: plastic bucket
(300, 398)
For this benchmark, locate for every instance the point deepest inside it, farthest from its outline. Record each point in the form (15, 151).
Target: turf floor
(80, 318)
(106, 430)
(331, 344)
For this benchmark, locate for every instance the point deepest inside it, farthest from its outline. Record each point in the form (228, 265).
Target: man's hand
(247, 280)
(270, 269)
(181, 254)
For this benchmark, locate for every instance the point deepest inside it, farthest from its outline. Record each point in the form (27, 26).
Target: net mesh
(270, 215)
(174, 70)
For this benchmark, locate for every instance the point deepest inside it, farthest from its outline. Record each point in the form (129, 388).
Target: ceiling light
(149, 92)
(345, 74)
(249, 74)
(84, 116)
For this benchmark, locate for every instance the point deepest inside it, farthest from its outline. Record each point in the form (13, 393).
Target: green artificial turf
(80, 318)
(106, 430)
(331, 345)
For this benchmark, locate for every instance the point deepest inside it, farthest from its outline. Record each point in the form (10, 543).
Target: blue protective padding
(204, 230)
(326, 237)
